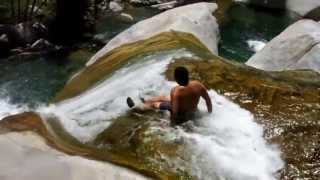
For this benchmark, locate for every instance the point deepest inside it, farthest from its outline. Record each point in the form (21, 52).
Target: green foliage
(15, 11)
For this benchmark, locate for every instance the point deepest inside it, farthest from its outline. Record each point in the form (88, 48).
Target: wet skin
(185, 99)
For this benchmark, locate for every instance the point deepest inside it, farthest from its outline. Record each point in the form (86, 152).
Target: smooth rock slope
(26, 156)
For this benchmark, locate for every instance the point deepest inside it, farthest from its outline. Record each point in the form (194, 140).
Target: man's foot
(130, 102)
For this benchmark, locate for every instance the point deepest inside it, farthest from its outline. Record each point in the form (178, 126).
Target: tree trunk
(69, 22)
(12, 9)
(19, 10)
(26, 10)
(32, 7)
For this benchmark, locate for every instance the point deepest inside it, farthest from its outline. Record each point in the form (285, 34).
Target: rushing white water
(7, 109)
(256, 45)
(88, 114)
(226, 144)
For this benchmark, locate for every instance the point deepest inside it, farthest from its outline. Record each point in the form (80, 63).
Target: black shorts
(165, 105)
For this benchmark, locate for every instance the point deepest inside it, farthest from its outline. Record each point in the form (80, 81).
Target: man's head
(181, 75)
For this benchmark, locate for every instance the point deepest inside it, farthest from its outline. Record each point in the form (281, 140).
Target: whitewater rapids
(226, 144)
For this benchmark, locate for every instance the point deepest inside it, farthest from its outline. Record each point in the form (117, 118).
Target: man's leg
(156, 99)
(149, 104)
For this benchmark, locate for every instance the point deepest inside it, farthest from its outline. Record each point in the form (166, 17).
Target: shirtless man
(183, 100)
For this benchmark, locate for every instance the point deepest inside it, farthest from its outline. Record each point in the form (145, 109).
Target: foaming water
(7, 109)
(90, 113)
(228, 144)
(255, 45)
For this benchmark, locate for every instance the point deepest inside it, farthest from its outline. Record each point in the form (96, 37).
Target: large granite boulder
(27, 155)
(196, 19)
(295, 48)
(302, 7)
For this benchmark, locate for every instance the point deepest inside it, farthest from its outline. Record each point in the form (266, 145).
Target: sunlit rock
(295, 48)
(116, 6)
(126, 17)
(27, 155)
(302, 7)
(196, 19)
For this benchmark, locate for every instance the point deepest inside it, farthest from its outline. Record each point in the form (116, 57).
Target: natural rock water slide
(90, 118)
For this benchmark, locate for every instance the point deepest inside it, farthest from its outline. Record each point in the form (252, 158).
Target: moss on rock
(121, 55)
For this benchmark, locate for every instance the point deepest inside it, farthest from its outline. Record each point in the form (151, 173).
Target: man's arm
(206, 97)
(174, 106)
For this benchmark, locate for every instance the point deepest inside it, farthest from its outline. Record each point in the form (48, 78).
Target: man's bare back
(185, 100)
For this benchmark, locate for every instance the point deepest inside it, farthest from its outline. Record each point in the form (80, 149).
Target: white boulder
(116, 6)
(302, 7)
(195, 18)
(26, 156)
(126, 17)
(295, 48)
(165, 6)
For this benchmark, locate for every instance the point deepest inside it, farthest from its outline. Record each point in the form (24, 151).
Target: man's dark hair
(181, 75)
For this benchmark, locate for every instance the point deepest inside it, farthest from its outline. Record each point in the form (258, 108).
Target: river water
(249, 29)
(227, 144)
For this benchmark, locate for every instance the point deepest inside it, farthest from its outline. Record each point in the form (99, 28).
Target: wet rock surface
(287, 104)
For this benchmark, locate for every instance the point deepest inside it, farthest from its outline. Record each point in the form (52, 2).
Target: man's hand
(206, 97)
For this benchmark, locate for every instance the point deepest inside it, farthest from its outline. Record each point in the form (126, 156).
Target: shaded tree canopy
(69, 23)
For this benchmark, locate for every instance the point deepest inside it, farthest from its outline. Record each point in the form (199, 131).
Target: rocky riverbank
(264, 124)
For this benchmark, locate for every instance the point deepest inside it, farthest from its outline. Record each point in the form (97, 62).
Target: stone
(165, 6)
(311, 60)
(295, 48)
(302, 7)
(4, 38)
(41, 44)
(126, 17)
(27, 155)
(196, 19)
(115, 6)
